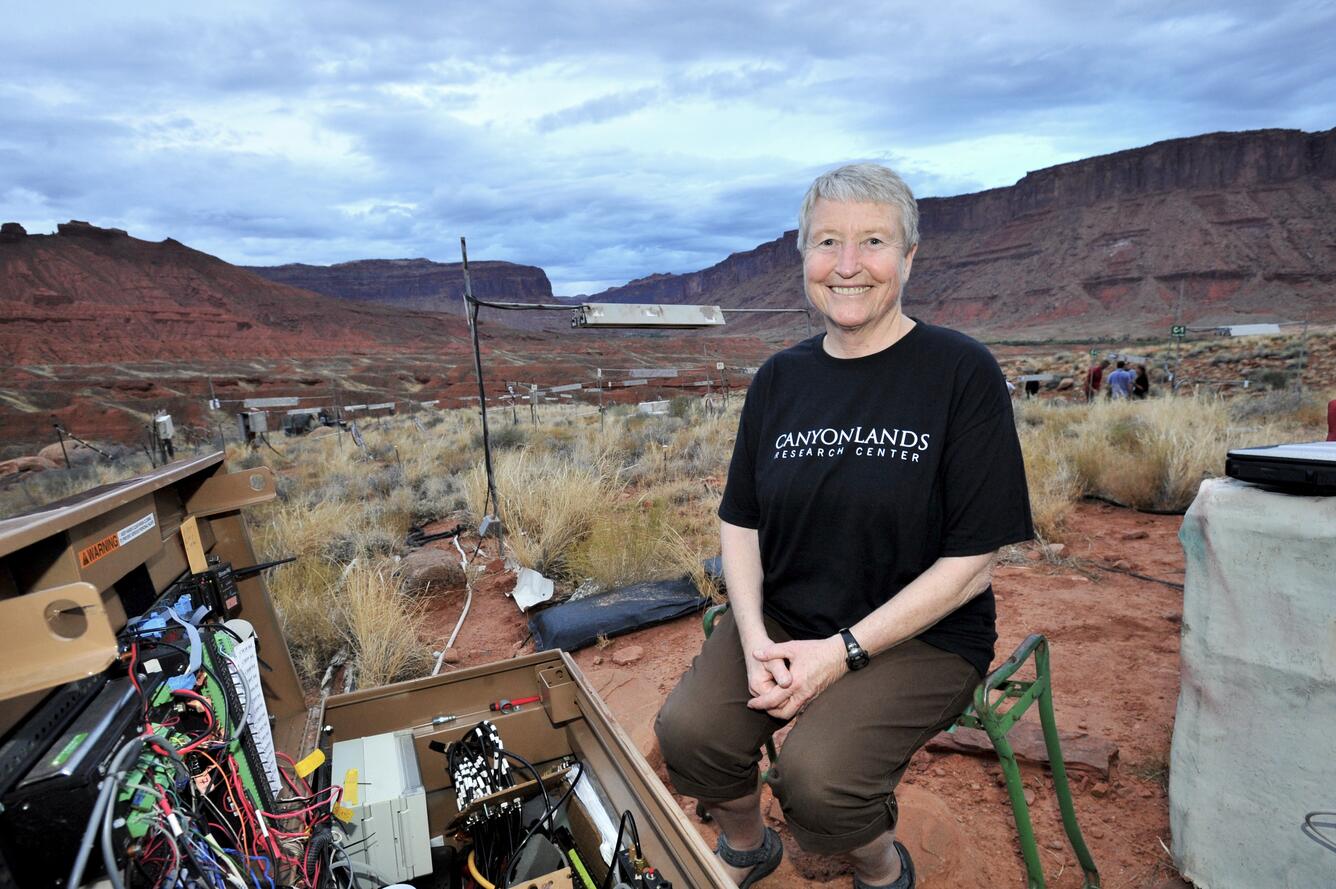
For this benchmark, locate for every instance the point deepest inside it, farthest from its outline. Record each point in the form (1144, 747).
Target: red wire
(306, 787)
(134, 680)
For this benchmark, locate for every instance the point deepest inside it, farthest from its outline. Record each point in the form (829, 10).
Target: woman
(1141, 385)
(875, 474)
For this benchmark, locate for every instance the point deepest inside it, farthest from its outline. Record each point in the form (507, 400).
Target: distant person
(875, 474)
(1031, 388)
(1094, 377)
(1120, 382)
(1141, 385)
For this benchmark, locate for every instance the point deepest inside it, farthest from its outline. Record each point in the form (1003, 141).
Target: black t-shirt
(860, 473)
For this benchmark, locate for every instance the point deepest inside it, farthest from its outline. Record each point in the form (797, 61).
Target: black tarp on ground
(574, 625)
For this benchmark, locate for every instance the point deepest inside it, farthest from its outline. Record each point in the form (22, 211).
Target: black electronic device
(1308, 468)
(46, 811)
(217, 587)
(31, 738)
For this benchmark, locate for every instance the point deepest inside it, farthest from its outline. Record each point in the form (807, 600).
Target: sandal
(906, 878)
(762, 860)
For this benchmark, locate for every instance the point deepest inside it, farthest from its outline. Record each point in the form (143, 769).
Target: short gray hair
(862, 183)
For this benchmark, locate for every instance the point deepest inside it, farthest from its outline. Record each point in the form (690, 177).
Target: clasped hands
(784, 677)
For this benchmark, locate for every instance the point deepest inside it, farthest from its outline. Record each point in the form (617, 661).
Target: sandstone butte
(1243, 225)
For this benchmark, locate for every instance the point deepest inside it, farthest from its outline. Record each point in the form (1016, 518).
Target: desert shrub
(40, 488)
(437, 496)
(680, 406)
(1149, 454)
(1274, 379)
(249, 458)
(1304, 411)
(503, 436)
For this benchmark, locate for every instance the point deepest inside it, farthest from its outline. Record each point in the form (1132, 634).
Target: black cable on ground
(1109, 500)
(1168, 583)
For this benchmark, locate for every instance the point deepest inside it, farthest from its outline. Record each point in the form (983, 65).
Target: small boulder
(78, 454)
(431, 570)
(1066, 383)
(1123, 565)
(625, 657)
(1135, 535)
(451, 656)
(1055, 550)
(21, 465)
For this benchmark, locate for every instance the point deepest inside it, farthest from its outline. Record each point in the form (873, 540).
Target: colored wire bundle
(181, 802)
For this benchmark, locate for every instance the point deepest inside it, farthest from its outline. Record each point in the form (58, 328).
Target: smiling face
(855, 267)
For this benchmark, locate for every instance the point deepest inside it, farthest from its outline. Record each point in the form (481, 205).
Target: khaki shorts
(842, 759)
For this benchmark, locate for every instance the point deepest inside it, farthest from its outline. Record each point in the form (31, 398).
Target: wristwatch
(855, 655)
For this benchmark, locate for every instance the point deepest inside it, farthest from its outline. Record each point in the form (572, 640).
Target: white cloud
(603, 141)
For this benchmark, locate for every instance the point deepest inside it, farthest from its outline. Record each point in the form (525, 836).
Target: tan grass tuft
(380, 623)
(549, 505)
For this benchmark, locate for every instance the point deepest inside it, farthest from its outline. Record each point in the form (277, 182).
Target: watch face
(855, 655)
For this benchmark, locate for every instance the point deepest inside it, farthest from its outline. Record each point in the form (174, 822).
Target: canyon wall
(1226, 227)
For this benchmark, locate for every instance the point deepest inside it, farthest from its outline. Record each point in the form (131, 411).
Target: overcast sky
(601, 141)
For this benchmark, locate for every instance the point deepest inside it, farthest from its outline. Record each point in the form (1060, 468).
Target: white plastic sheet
(1254, 745)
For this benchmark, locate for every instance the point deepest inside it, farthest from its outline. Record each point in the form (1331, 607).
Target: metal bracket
(52, 637)
(232, 491)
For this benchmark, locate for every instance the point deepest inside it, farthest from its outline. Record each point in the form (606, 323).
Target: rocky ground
(1114, 641)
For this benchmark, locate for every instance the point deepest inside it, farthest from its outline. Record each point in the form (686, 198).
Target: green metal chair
(999, 703)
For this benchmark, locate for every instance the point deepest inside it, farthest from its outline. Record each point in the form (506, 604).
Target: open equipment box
(147, 699)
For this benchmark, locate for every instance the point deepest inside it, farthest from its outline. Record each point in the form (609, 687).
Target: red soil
(1114, 645)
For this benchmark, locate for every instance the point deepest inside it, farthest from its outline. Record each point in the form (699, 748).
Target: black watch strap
(855, 655)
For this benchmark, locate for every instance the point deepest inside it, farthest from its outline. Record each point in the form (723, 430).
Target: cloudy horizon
(603, 141)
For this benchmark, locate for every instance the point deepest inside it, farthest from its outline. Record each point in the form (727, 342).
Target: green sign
(1179, 330)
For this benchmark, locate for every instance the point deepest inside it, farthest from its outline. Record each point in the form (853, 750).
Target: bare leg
(740, 822)
(877, 863)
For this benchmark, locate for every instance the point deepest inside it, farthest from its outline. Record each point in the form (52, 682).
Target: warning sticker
(131, 531)
(112, 542)
(91, 553)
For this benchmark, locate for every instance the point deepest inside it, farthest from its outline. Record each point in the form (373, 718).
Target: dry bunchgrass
(1149, 454)
(380, 623)
(1052, 479)
(549, 506)
(302, 592)
(632, 544)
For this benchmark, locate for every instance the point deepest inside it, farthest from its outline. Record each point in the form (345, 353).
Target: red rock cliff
(419, 283)
(1244, 224)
